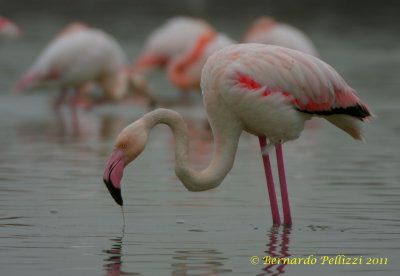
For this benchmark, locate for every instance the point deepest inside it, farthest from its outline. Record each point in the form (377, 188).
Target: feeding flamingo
(184, 71)
(266, 90)
(8, 29)
(76, 56)
(180, 46)
(267, 31)
(172, 38)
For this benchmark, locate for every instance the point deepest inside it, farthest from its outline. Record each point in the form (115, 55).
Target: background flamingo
(177, 37)
(76, 56)
(266, 90)
(73, 27)
(184, 71)
(267, 31)
(182, 46)
(8, 29)
(172, 38)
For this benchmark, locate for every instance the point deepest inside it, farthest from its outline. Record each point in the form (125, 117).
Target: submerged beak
(113, 174)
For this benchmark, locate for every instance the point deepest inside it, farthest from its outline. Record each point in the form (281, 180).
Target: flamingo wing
(309, 84)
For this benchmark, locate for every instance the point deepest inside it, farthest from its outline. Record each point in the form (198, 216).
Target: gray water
(57, 218)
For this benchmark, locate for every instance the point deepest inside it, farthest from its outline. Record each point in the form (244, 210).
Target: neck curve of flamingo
(226, 145)
(226, 142)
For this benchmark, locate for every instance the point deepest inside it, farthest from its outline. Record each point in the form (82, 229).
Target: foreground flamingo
(267, 31)
(8, 28)
(266, 90)
(79, 55)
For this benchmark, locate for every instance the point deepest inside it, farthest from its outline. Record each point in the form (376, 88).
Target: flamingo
(76, 56)
(72, 27)
(267, 31)
(181, 46)
(8, 29)
(172, 38)
(266, 90)
(184, 71)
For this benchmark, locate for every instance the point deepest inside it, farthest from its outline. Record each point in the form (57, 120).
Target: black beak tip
(115, 192)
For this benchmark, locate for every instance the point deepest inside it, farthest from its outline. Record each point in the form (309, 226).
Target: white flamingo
(8, 29)
(76, 56)
(267, 31)
(266, 90)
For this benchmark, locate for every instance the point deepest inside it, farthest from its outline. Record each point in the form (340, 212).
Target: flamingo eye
(124, 146)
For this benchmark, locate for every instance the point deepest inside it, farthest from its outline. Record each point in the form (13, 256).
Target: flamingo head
(27, 82)
(115, 86)
(130, 143)
(138, 84)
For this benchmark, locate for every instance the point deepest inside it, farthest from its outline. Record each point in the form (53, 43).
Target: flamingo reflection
(276, 249)
(113, 262)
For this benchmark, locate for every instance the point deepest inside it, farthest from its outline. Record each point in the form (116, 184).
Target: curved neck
(226, 140)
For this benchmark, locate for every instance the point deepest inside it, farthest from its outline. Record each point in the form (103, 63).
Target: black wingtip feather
(358, 110)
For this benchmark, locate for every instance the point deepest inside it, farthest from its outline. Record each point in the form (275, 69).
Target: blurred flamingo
(76, 56)
(266, 90)
(267, 31)
(8, 29)
(72, 27)
(181, 46)
(172, 38)
(184, 71)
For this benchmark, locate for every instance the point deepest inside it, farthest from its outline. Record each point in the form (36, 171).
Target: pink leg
(270, 182)
(75, 121)
(75, 99)
(78, 99)
(287, 219)
(60, 99)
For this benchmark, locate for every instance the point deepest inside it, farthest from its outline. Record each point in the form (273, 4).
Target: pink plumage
(292, 84)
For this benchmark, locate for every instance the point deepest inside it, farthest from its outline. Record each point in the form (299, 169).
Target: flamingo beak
(113, 174)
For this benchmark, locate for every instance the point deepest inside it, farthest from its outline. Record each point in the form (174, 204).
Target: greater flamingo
(184, 71)
(266, 90)
(267, 31)
(8, 29)
(172, 38)
(76, 56)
